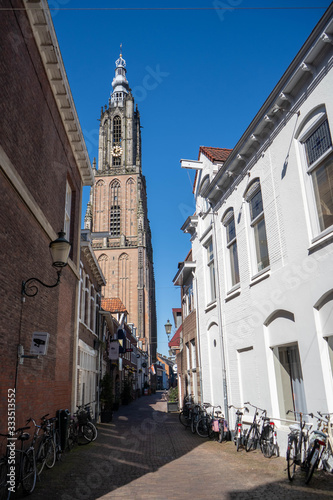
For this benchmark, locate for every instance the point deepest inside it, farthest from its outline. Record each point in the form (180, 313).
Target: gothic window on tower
(115, 220)
(116, 157)
(115, 209)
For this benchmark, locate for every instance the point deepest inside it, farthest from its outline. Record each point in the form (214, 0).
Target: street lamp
(168, 328)
(59, 249)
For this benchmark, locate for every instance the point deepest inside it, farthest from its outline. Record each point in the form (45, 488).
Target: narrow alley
(145, 453)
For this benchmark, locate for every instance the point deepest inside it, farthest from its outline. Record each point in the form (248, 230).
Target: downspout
(220, 314)
(198, 334)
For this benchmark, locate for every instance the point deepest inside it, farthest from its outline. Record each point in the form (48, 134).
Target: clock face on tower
(117, 151)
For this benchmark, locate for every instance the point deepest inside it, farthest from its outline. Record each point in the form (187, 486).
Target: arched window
(123, 273)
(317, 156)
(98, 217)
(130, 207)
(117, 130)
(257, 221)
(115, 208)
(116, 160)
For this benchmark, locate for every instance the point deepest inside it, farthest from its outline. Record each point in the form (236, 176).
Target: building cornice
(280, 106)
(46, 40)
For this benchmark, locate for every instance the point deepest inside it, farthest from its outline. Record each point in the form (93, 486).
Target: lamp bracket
(30, 290)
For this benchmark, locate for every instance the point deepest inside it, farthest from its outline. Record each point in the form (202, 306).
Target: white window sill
(322, 239)
(210, 306)
(262, 275)
(234, 292)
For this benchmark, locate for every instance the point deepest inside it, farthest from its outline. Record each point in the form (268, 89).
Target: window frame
(256, 256)
(312, 124)
(232, 269)
(211, 275)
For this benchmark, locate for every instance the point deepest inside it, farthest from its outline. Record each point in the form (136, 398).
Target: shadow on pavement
(141, 438)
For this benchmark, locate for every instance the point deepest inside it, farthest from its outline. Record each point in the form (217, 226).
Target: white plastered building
(262, 241)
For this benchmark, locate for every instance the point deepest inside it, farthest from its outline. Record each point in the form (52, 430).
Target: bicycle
(24, 459)
(297, 443)
(86, 408)
(239, 433)
(184, 415)
(205, 425)
(80, 430)
(46, 454)
(327, 455)
(262, 432)
(223, 432)
(319, 452)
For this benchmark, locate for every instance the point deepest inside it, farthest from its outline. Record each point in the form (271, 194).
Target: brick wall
(34, 144)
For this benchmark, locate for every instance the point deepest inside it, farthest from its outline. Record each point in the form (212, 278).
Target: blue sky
(198, 77)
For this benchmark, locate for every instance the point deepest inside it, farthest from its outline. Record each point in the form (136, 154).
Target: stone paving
(146, 454)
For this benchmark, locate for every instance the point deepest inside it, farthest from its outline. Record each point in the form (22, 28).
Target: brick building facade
(43, 167)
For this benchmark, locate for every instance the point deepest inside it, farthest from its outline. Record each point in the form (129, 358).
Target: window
(117, 130)
(229, 222)
(115, 220)
(257, 220)
(289, 379)
(68, 209)
(115, 209)
(211, 272)
(317, 145)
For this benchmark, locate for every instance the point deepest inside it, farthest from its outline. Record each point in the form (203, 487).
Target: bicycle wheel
(202, 427)
(71, 436)
(95, 431)
(50, 453)
(57, 445)
(267, 443)
(194, 421)
(311, 462)
(183, 419)
(251, 439)
(86, 433)
(40, 457)
(28, 477)
(4, 491)
(222, 434)
(291, 458)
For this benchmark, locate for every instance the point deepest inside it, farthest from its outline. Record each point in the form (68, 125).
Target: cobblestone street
(147, 454)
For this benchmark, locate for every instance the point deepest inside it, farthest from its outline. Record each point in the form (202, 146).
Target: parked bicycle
(205, 425)
(297, 443)
(319, 452)
(86, 408)
(17, 466)
(80, 430)
(47, 451)
(262, 432)
(239, 433)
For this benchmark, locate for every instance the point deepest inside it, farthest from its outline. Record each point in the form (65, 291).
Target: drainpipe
(220, 315)
(198, 334)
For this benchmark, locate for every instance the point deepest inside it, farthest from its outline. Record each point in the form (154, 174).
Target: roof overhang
(184, 272)
(46, 40)
(281, 104)
(89, 254)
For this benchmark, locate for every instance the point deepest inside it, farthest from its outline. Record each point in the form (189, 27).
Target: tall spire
(119, 83)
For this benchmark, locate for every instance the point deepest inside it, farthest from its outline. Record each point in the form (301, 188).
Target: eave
(185, 271)
(46, 40)
(281, 105)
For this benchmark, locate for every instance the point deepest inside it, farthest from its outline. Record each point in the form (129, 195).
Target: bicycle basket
(82, 416)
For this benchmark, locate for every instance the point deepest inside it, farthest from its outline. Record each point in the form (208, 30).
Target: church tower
(117, 212)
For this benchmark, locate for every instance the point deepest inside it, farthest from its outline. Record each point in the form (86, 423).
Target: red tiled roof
(175, 341)
(114, 305)
(215, 154)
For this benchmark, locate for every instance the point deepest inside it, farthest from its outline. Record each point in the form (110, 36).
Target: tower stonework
(117, 212)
